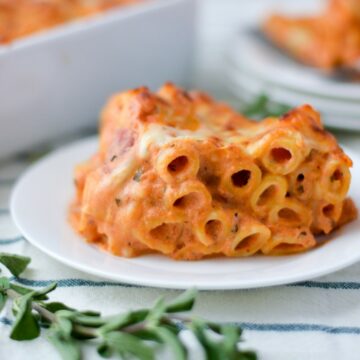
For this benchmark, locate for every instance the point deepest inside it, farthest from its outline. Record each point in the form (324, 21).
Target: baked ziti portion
(19, 18)
(180, 174)
(327, 40)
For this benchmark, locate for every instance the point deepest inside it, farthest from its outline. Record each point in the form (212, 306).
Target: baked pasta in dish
(180, 174)
(328, 40)
(19, 18)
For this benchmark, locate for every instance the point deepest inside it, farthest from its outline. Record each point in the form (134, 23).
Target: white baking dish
(56, 82)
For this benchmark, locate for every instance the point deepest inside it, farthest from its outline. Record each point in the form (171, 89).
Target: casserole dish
(54, 82)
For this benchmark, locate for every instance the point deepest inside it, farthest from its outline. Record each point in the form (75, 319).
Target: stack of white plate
(255, 67)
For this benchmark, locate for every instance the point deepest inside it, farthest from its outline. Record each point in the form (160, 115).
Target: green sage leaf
(214, 327)
(25, 326)
(22, 290)
(258, 107)
(90, 313)
(156, 313)
(105, 351)
(124, 343)
(64, 326)
(56, 306)
(92, 321)
(16, 264)
(231, 337)
(3, 299)
(262, 107)
(212, 349)
(120, 321)
(247, 355)
(66, 346)
(148, 334)
(39, 294)
(184, 302)
(172, 341)
(4, 283)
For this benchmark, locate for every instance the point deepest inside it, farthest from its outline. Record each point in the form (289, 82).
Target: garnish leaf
(39, 294)
(90, 313)
(262, 107)
(248, 355)
(124, 343)
(4, 283)
(66, 346)
(3, 298)
(21, 289)
(148, 334)
(184, 302)
(16, 264)
(171, 340)
(231, 336)
(25, 326)
(213, 349)
(56, 306)
(92, 321)
(120, 321)
(105, 350)
(156, 312)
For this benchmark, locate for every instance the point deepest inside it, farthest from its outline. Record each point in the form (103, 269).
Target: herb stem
(85, 331)
(134, 328)
(46, 314)
(125, 334)
(179, 318)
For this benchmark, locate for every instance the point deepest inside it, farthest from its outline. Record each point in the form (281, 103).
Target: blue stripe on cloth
(72, 283)
(294, 327)
(341, 285)
(11, 241)
(4, 211)
(5, 321)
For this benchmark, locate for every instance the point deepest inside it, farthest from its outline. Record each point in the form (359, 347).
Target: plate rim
(241, 40)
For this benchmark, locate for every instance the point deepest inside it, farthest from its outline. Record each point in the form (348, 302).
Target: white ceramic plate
(334, 114)
(269, 64)
(39, 206)
(294, 98)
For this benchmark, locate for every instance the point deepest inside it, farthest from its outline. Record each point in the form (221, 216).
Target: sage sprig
(137, 334)
(262, 106)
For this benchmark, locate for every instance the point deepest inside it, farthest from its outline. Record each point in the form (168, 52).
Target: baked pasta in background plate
(180, 174)
(327, 40)
(19, 18)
